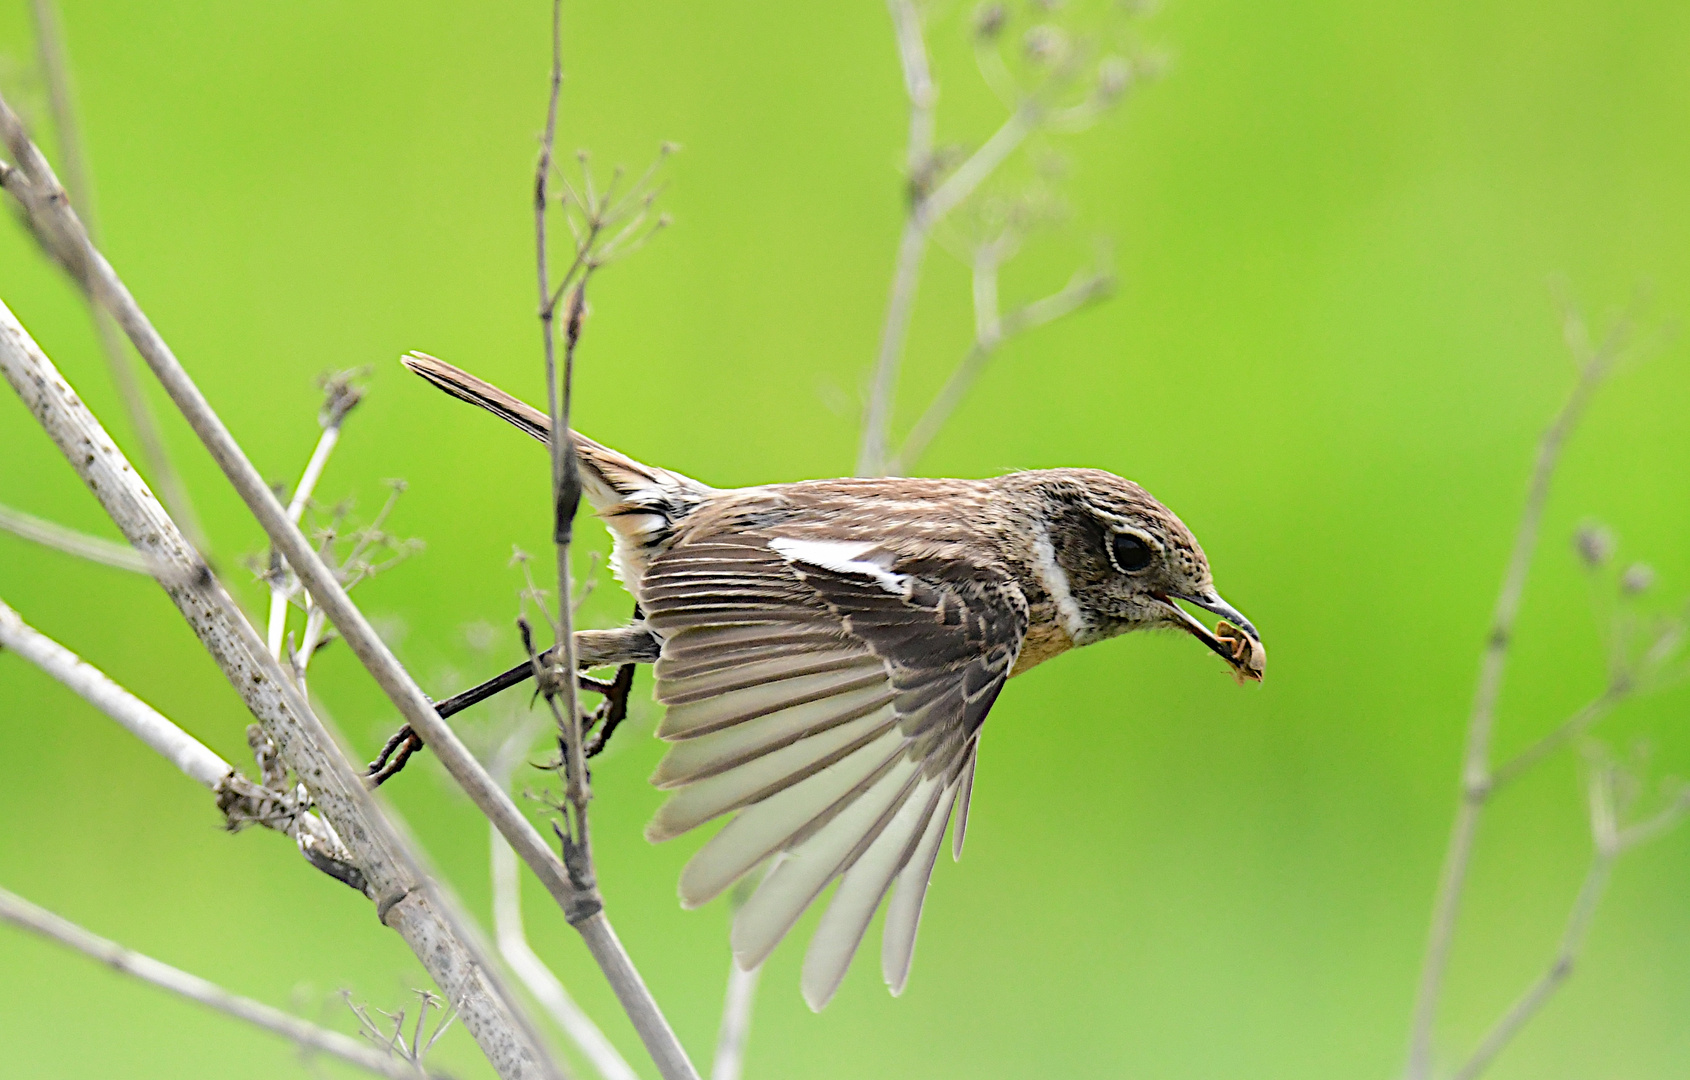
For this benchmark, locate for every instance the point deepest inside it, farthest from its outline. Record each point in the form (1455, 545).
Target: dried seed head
(989, 21)
(1637, 579)
(1595, 544)
(1114, 75)
(1044, 44)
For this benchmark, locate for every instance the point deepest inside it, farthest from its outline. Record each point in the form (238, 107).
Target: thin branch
(340, 398)
(565, 479)
(309, 1037)
(82, 545)
(1477, 781)
(992, 331)
(55, 67)
(407, 901)
(283, 586)
(273, 805)
(736, 1023)
(928, 207)
(1568, 730)
(176, 746)
(512, 940)
(1608, 849)
(34, 185)
(912, 245)
(583, 906)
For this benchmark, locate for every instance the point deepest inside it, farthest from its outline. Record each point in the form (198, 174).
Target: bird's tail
(611, 481)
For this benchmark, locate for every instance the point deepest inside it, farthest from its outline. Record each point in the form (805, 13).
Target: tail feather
(610, 480)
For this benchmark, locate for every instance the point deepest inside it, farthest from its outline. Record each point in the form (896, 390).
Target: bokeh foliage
(1331, 352)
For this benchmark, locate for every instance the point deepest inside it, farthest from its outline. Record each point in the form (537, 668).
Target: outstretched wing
(830, 695)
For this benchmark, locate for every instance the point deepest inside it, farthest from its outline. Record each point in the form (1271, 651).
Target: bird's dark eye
(1131, 553)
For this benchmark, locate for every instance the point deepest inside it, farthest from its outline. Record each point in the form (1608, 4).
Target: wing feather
(830, 700)
(764, 776)
(860, 891)
(816, 860)
(903, 912)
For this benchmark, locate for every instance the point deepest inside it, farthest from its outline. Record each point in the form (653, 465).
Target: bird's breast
(1045, 639)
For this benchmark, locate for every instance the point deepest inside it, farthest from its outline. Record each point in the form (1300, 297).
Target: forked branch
(32, 182)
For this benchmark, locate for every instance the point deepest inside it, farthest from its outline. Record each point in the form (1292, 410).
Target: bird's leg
(623, 647)
(612, 710)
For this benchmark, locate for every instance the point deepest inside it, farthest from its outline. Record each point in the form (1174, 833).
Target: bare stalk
(565, 479)
(32, 182)
(1567, 731)
(585, 907)
(82, 545)
(1609, 846)
(912, 246)
(55, 68)
(512, 939)
(992, 330)
(283, 586)
(385, 869)
(176, 746)
(928, 207)
(1477, 779)
(308, 1036)
(736, 1023)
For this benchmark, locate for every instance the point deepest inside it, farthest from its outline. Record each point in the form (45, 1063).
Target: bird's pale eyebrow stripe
(843, 557)
(1054, 579)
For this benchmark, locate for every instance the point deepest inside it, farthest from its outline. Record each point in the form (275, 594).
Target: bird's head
(1122, 562)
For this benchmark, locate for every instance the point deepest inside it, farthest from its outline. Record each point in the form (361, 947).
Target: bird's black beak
(1234, 640)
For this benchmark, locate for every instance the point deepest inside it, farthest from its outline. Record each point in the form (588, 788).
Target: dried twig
(82, 545)
(584, 907)
(1478, 780)
(413, 1050)
(1608, 849)
(341, 395)
(991, 331)
(55, 67)
(512, 939)
(33, 184)
(935, 193)
(310, 1038)
(731, 1037)
(176, 746)
(407, 901)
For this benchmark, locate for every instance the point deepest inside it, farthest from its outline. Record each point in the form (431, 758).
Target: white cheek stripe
(844, 557)
(1054, 580)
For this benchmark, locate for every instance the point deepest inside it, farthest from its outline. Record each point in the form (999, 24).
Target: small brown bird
(828, 651)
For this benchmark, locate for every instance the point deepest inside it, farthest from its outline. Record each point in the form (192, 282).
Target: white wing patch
(844, 557)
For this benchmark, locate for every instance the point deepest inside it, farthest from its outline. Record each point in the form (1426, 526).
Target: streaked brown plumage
(830, 649)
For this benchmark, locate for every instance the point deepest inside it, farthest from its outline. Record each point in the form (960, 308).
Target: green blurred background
(1332, 351)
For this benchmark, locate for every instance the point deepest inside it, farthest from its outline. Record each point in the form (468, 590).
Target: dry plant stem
(565, 483)
(176, 746)
(584, 908)
(280, 591)
(912, 245)
(407, 901)
(21, 913)
(82, 545)
(736, 1023)
(38, 190)
(1533, 1000)
(508, 930)
(927, 209)
(1610, 844)
(993, 331)
(1477, 780)
(55, 67)
(1569, 730)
